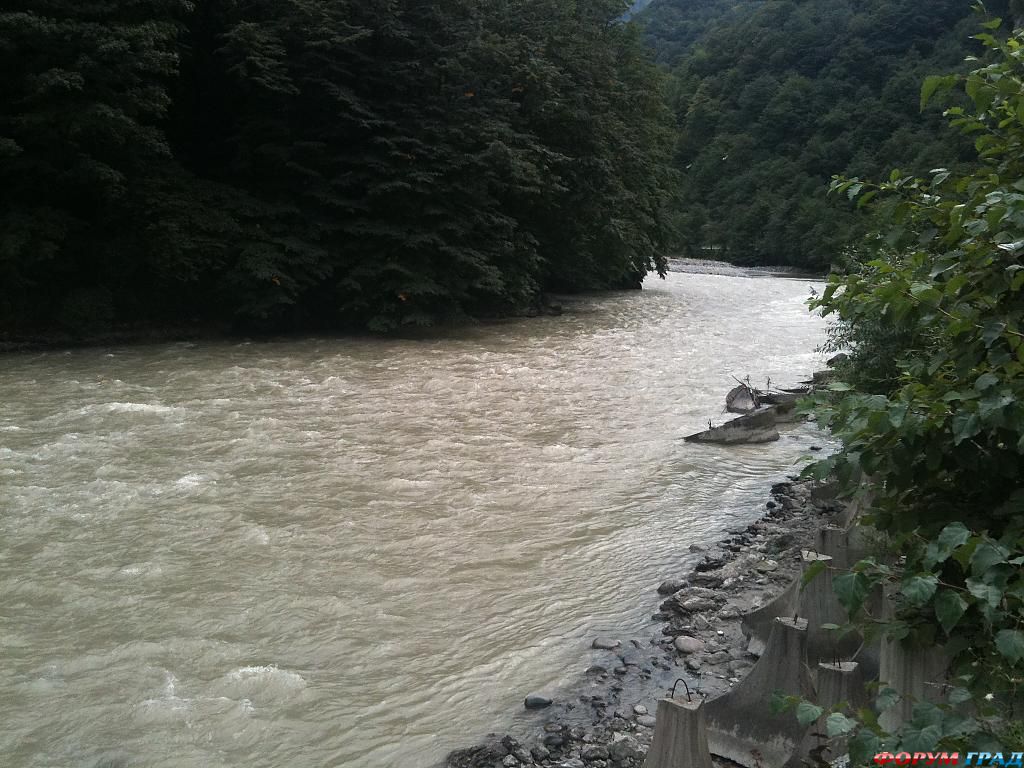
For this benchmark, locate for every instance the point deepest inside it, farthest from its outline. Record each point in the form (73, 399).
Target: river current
(363, 552)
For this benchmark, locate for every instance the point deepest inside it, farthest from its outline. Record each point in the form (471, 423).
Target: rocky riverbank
(607, 720)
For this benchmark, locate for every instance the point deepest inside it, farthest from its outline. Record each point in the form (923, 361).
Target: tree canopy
(304, 163)
(772, 97)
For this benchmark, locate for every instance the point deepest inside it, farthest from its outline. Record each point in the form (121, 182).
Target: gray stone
(695, 604)
(605, 644)
(688, 645)
(692, 663)
(540, 753)
(596, 669)
(767, 566)
(640, 709)
(536, 701)
(697, 548)
(510, 761)
(523, 756)
(594, 752)
(669, 586)
(647, 721)
(572, 762)
(624, 749)
(553, 740)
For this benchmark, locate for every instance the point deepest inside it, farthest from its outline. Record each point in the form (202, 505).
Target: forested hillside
(775, 97)
(321, 163)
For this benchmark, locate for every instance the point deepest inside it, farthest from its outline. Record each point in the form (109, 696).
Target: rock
(620, 671)
(594, 752)
(670, 586)
(596, 669)
(692, 663)
(553, 740)
(510, 761)
(698, 548)
(625, 748)
(640, 709)
(695, 604)
(710, 563)
(605, 644)
(540, 753)
(572, 762)
(523, 756)
(536, 701)
(688, 645)
(472, 757)
(767, 566)
(647, 721)
(711, 580)
(718, 658)
(510, 743)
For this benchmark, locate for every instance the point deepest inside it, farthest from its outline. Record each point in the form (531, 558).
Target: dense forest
(773, 97)
(322, 163)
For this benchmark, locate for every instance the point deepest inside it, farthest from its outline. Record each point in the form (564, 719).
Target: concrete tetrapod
(680, 736)
(741, 726)
(917, 674)
(819, 605)
(757, 624)
(836, 683)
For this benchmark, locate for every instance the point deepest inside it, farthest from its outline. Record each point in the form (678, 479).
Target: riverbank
(710, 267)
(606, 720)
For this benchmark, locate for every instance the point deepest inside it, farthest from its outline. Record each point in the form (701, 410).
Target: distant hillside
(671, 27)
(773, 97)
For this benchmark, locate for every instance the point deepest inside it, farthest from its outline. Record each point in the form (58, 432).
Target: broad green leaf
(838, 724)
(1010, 643)
(919, 589)
(807, 713)
(949, 609)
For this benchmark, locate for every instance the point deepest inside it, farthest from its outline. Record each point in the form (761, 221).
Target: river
(362, 552)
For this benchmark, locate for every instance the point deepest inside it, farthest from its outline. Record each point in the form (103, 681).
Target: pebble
(605, 644)
(640, 709)
(692, 663)
(647, 721)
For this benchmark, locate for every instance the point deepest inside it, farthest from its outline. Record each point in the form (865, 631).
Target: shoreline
(606, 718)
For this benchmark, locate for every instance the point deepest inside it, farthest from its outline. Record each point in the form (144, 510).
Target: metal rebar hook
(679, 680)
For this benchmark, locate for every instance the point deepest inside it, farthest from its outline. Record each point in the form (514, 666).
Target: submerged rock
(605, 644)
(536, 701)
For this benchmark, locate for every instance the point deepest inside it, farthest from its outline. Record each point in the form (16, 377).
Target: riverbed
(363, 552)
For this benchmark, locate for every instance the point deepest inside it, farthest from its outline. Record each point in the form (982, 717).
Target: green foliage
(771, 99)
(941, 434)
(284, 163)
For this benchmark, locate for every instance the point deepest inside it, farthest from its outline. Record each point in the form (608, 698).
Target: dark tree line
(322, 163)
(774, 97)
